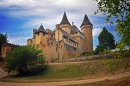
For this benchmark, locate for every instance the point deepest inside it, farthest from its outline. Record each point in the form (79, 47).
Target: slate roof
(74, 29)
(9, 44)
(66, 35)
(41, 29)
(64, 20)
(86, 21)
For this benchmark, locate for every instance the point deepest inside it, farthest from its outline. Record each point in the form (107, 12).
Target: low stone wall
(2, 63)
(89, 58)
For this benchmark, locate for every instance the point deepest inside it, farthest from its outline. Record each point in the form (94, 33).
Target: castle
(65, 41)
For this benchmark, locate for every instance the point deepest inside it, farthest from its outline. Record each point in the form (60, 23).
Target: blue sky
(19, 17)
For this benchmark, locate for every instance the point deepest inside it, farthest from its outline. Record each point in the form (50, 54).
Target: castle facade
(65, 41)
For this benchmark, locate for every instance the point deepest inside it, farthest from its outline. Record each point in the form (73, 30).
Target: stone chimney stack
(57, 26)
(72, 23)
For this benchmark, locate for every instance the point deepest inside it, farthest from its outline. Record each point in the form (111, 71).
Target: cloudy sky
(19, 17)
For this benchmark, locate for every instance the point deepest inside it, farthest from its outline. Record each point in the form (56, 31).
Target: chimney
(34, 31)
(72, 23)
(57, 26)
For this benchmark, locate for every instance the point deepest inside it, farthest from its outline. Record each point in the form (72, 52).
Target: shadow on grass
(37, 71)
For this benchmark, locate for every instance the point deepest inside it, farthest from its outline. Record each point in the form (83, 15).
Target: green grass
(68, 71)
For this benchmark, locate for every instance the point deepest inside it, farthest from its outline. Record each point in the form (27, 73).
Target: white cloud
(18, 40)
(96, 31)
(48, 12)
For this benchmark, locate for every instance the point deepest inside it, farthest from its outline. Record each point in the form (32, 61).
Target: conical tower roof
(86, 21)
(64, 20)
(41, 29)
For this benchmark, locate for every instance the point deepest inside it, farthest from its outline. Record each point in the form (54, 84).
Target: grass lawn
(72, 71)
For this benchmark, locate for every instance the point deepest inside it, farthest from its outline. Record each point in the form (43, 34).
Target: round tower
(65, 25)
(86, 28)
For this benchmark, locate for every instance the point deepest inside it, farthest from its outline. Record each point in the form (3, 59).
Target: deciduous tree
(22, 59)
(120, 11)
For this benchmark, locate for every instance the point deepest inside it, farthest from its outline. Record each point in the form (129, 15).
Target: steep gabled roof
(74, 29)
(66, 35)
(41, 29)
(64, 20)
(9, 44)
(86, 21)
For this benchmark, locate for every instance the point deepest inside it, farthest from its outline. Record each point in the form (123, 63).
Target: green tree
(24, 58)
(106, 41)
(3, 39)
(120, 11)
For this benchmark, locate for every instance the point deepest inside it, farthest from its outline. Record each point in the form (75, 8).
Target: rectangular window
(3, 49)
(56, 49)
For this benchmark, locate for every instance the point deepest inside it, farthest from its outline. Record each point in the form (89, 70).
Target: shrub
(24, 58)
(2, 59)
(86, 54)
(54, 59)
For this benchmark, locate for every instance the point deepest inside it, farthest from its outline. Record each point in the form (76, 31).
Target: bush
(86, 54)
(24, 58)
(2, 59)
(54, 59)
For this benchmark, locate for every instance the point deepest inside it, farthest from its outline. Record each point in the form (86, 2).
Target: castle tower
(86, 28)
(40, 35)
(65, 25)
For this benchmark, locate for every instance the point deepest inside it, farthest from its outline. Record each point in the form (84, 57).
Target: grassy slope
(69, 71)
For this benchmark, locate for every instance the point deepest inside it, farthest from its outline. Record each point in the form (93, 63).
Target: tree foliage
(119, 10)
(22, 59)
(3, 39)
(106, 41)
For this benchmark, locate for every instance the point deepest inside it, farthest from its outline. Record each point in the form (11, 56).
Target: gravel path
(66, 82)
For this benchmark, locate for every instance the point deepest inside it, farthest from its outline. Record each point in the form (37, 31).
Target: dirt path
(66, 82)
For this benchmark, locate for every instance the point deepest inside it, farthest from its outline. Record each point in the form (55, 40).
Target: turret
(65, 25)
(40, 35)
(86, 28)
(41, 29)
